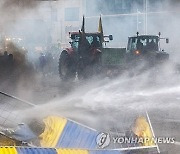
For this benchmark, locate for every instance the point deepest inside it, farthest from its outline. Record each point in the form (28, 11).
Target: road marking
(152, 130)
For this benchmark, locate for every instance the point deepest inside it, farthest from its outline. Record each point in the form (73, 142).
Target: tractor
(88, 54)
(146, 49)
(83, 58)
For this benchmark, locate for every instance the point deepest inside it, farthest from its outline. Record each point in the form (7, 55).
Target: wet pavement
(106, 104)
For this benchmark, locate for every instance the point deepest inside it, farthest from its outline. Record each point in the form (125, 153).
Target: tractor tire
(86, 68)
(82, 70)
(67, 69)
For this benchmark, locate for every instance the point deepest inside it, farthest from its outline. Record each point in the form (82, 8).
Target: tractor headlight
(8, 39)
(137, 52)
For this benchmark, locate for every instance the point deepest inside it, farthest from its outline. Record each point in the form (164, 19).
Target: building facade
(65, 16)
(123, 17)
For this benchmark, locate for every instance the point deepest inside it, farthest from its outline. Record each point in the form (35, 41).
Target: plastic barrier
(63, 133)
(29, 150)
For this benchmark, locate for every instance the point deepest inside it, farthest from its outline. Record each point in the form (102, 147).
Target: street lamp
(145, 16)
(137, 20)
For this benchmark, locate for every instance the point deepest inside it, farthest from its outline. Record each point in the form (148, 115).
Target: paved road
(108, 104)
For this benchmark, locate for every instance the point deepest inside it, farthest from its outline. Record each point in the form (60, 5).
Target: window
(143, 43)
(72, 14)
(92, 41)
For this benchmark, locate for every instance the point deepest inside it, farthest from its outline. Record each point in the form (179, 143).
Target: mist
(12, 10)
(116, 100)
(102, 103)
(163, 17)
(125, 91)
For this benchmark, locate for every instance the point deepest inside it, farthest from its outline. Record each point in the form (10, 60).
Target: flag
(83, 25)
(100, 28)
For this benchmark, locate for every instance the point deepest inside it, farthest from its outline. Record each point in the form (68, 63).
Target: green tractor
(146, 49)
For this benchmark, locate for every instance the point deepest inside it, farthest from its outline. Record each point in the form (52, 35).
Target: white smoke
(103, 103)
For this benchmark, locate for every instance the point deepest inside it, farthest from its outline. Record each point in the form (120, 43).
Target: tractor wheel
(67, 69)
(86, 68)
(81, 70)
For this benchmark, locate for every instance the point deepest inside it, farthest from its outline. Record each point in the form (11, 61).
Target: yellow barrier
(53, 128)
(68, 151)
(8, 150)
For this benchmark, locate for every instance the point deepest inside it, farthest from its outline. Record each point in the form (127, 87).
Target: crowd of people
(47, 64)
(14, 66)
